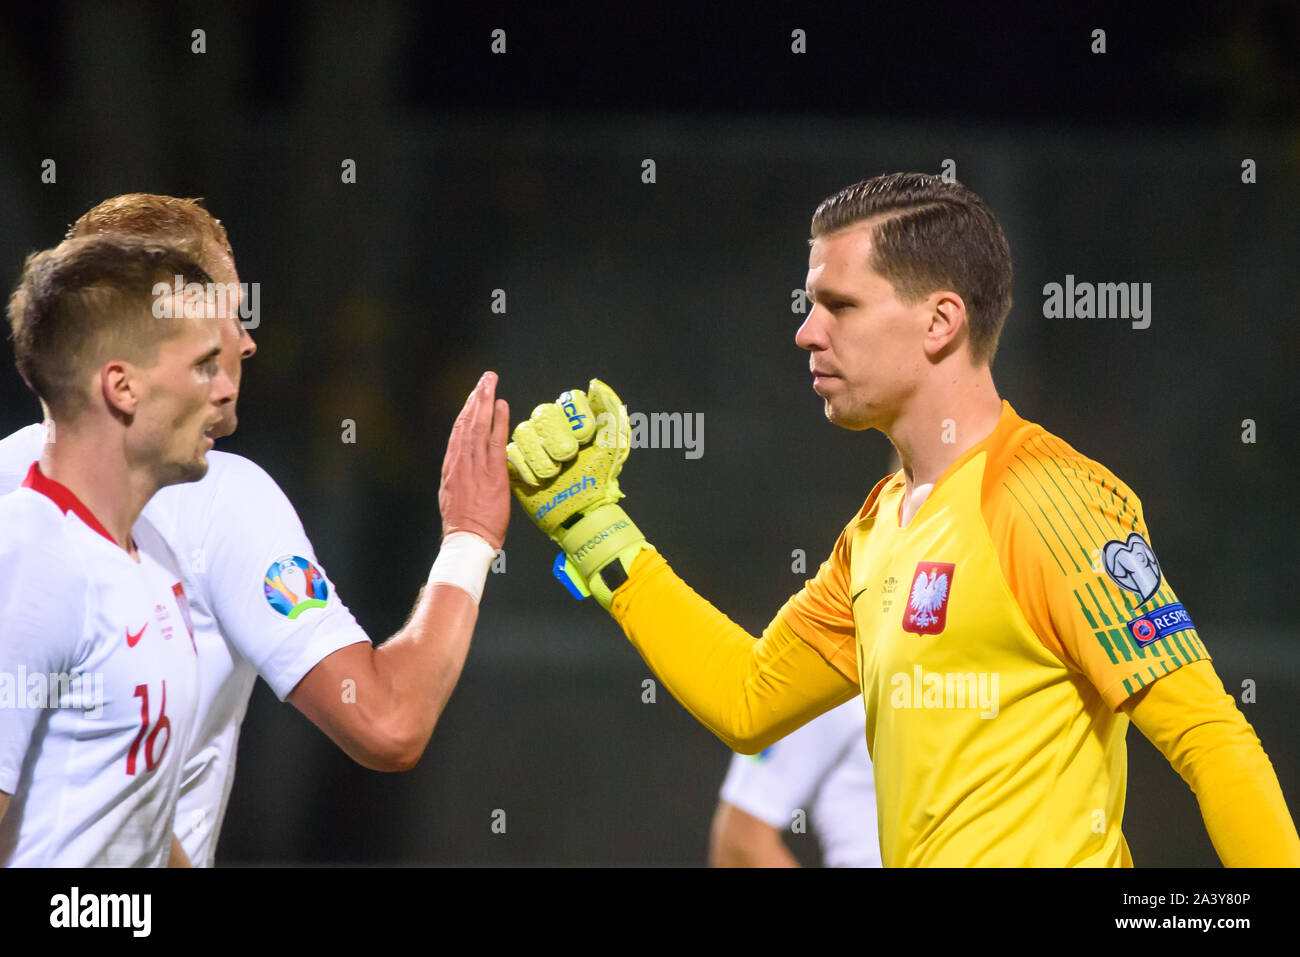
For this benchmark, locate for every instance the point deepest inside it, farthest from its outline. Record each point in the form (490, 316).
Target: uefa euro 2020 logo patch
(294, 585)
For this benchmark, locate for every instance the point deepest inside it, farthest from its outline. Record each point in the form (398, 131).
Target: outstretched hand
(475, 491)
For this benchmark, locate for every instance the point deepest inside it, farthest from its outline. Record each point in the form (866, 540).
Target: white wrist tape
(463, 561)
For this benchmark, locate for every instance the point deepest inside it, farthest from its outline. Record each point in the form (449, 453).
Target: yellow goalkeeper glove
(564, 462)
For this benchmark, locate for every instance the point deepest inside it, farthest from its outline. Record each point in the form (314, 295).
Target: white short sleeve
(42, 621)
(17, 453)
(261, 579)
(775, 783)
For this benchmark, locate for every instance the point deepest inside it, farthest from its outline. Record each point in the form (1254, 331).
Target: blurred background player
(95, 640)
(818, 774)
(261, 601)
(997, 603)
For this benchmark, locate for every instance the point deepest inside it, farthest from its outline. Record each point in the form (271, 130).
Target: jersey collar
(62, 496)
(1008, 422)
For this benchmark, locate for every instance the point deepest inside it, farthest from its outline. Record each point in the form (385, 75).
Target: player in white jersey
(96, 648)
(260, 598)
(223, 563)
(821, 771)
(94, 725)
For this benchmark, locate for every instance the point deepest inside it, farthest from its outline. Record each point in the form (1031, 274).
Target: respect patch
(1160, 623)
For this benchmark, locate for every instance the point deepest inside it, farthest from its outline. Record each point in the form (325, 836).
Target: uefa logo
(1143, 631)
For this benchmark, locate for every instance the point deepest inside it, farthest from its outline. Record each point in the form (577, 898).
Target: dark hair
(87, 298)
(929, 234)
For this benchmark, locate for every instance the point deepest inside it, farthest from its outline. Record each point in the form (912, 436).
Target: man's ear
(948, 328)
(119, 383)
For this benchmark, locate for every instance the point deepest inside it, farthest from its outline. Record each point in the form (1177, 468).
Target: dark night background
(521, 172)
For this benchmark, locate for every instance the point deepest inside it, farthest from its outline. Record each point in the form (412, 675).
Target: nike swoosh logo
(858, 595)
(132, 640)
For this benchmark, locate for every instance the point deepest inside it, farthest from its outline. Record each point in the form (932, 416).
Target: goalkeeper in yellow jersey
(997, 602)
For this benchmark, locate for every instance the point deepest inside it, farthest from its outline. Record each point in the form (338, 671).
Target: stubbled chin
(181, 472)
(193, 471)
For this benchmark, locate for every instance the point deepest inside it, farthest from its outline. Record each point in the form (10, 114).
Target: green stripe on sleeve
(1082, 501)
(1101, 583)
(1104, 619)
(1036, 528)
(1087, 557)
(1092, 622)
(1122, 645)
(1139, 650)
(1106, 645)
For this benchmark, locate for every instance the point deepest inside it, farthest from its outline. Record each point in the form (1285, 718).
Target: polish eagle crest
(927, 606)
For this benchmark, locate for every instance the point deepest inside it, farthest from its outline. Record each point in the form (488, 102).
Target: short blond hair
(183, 223)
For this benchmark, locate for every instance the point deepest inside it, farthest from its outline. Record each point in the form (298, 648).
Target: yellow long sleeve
(749, 692)
(1197, 726)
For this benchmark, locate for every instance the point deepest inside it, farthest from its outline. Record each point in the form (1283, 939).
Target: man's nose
(812, 334)
(223, 388)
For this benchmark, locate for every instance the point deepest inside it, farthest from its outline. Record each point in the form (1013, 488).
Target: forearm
(749, 692)
(416, 670)
(380, 705)
(178, 857)
(738, 839)
(1244, 810)
(1197, 726)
